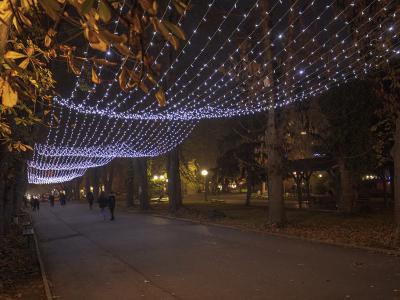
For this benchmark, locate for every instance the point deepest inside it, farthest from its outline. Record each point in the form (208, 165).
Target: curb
(49, 295)
(288, 236)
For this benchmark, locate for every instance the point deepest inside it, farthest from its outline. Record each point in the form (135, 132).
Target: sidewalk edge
(49, 295)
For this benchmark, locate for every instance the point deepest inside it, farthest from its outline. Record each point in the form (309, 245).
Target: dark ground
(20, 276)
(147, 257)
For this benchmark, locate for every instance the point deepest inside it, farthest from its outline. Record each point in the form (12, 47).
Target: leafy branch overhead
(33, 33)
(136, 22)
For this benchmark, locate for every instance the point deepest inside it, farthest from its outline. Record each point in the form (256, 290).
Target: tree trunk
(109, 178)
(77, 188)
(141, 171)
(2, 206)
(249, 185)
(174, 181)
(298, 178)
(87, 182)
(396, 197)
(19, 185)
(95, 181)
(274, 156)
(129, 181)
(347, 195)
(4, 32)
(275, 173)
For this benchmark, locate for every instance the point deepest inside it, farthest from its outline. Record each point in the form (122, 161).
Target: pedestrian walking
(51, 200)
(111, 204)
(103, 203)
(25, 200)
(36, 204)
(62, 199)
(90, 198)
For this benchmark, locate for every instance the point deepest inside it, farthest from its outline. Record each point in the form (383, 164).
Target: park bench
(27, 228)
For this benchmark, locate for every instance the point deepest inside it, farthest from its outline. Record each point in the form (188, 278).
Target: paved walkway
(146, 257)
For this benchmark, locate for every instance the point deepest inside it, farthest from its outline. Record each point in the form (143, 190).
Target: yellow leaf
(122, 79)
(101, 46)
(16, 25)
(124, 50)
(9, 96)
(24, 63)
(95, 77)
(104, 11)
(160, 96)
(14, 55)
(176, 30)
(25, 20)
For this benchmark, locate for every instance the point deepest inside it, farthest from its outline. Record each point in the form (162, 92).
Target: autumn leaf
(124, 50)
(14, 55)
(49, 37)
(143, 87)
(137, 24)
(149, 6)
(103, 62)
(86, 6)
(95, 77)
(160, 96)
(9, 96)
(122, 79)
(101, 46)
(104, 11)
(52, 8)
(180, 6)
(176, 30)
(24, 63)
(25, 20)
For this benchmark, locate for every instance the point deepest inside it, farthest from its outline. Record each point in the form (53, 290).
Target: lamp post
(204, 173)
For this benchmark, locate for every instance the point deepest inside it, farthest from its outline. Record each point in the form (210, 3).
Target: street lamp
(204, 173)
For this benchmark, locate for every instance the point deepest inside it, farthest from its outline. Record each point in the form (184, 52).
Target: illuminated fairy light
(101, 134)
(210, 95)
(219, 100)
(153, 117)
(81, 163)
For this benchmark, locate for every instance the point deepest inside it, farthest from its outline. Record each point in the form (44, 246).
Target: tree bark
(174, 181)
(299, 191)
(95, 181)
(347, 195)
(19, 185)
(396, 196)
(130, 181)
(143, 191)
(77, 188)
(87, 182)
(275, 174)
(249, 185)
(274, 156)
(109, 178)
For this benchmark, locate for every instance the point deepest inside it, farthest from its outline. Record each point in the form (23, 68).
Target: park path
(148, 257)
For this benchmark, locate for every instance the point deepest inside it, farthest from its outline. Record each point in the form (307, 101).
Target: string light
(215, 79)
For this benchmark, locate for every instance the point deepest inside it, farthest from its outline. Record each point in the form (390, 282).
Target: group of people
(62, 199)
(35, 203)
(104, 201)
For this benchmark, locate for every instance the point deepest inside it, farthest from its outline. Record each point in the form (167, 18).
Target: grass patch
(369, 230)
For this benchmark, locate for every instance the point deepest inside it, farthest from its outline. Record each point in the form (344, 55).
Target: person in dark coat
(62, 199)
(90, 198)
(51, 200)
(36, 203)
(103, 203)
(111, 204)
